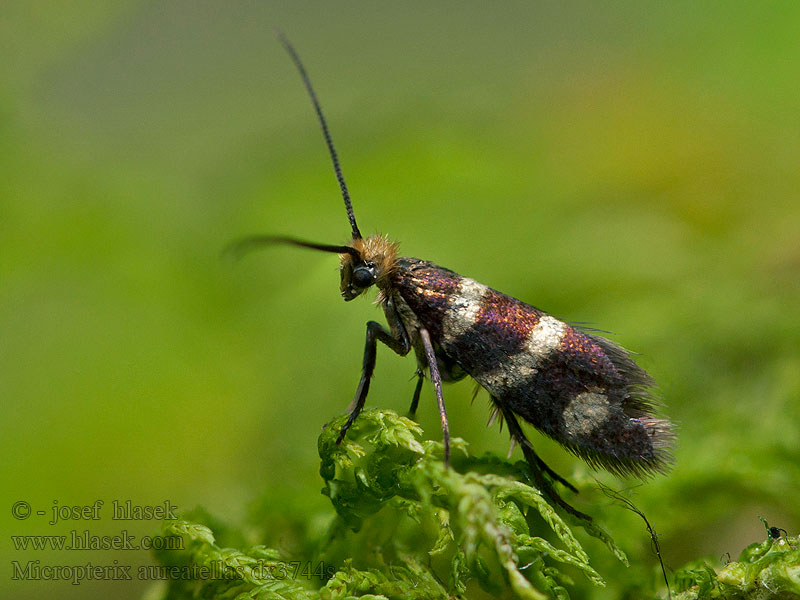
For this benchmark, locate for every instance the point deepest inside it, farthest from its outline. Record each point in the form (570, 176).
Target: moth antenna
(245, 245)
(328, 140)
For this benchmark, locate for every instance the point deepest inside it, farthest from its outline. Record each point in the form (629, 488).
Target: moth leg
(436, 379)
(555, 476)
(412, 411)
(375, 333)
(538, 466)
(539, 462)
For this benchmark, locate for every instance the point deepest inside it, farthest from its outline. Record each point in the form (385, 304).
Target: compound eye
(363, 277)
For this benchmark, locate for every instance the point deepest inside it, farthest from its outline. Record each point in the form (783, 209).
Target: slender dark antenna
(243, 246)
(331, 150)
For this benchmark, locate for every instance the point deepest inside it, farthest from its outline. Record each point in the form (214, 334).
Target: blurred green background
(632, 166)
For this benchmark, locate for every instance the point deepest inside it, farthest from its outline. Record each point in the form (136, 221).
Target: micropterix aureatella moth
(576, 387)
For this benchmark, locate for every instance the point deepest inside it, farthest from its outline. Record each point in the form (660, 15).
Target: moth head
(356, 277)
(370, 264)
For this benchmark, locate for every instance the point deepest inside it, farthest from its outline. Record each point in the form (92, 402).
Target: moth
(580, 389)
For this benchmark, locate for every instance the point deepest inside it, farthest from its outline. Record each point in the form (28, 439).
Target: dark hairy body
(578, 388)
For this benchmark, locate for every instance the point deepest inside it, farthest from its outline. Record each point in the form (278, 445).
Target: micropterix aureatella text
(578, 388)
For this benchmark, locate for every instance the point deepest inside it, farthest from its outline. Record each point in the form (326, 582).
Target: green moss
(403, 525)
(769, 569)
(406, 526)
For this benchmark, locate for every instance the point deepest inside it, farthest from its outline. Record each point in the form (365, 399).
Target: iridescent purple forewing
(578, 388)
